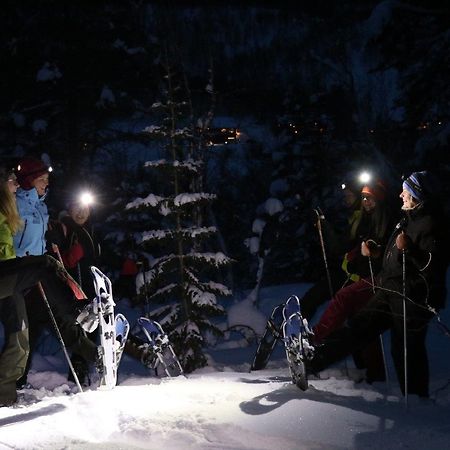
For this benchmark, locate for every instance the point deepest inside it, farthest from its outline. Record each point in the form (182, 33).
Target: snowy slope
(225, 407)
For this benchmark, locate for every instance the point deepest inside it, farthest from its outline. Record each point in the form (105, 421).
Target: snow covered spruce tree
(181, 263)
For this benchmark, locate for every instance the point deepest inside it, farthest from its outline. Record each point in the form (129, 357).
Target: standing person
(78, 244)
(79, 250)
(418, 240)
(372, 230)
(371, 224)
(33, 177)
(13, 315)
(17, 276)
(336, 242)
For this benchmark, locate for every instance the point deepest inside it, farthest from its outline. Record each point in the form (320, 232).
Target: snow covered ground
(223, 406)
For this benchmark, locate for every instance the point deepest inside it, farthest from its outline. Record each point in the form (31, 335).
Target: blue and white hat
(417, 184)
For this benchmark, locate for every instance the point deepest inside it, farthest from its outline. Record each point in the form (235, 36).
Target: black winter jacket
(425, 259)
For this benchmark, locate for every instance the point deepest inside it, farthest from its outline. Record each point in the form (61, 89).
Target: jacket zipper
(23, 233)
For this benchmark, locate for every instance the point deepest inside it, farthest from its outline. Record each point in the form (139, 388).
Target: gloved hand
(403, 241)
(365, 250)
(370, 248)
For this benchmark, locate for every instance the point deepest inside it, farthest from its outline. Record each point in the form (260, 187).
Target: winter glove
(403, 241)
(370, 248)
(365, 251)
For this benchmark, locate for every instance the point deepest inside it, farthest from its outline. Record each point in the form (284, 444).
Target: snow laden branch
(161, 131)
(186, 197)
(185, 233)
(151, 200)
(210, 286)
(214, 259)
(204, 299)
(189, 165)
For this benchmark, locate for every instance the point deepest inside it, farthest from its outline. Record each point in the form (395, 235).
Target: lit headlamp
(365, 177)
(86, 198)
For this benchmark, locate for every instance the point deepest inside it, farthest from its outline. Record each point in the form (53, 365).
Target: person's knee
(52, 263)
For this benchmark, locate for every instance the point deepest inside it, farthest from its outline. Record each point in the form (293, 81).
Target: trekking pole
(383, 354)
(58, 333)
(405, 344)
(147, 303)
(56, 251)
(320, 217)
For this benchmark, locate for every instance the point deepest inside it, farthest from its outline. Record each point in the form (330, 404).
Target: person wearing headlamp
(409, 289)
(75, 243)
(33, 177)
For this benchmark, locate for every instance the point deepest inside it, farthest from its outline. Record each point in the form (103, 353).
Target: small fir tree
(180, 265)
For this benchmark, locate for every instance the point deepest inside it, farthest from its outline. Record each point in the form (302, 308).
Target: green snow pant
(13, 360)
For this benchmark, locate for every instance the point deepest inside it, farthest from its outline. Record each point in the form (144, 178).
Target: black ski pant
(384, 311)
(31, 270)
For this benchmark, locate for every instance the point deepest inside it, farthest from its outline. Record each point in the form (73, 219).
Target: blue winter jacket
(34, 213)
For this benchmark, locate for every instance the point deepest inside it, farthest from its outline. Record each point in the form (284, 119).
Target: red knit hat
(28, 170)
(376, 190)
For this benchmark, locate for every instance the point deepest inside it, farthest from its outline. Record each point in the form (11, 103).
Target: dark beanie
(28, 170)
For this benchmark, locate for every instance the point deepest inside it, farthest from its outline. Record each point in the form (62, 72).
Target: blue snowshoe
(122, 330)
(155, 348)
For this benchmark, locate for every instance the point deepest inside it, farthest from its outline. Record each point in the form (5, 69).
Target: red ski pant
(345, 303)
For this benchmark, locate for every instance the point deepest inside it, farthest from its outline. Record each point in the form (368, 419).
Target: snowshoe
(150, 344)
(122, 329)
(296, 334)
(103, 307)
(160, 346)
(272, 334)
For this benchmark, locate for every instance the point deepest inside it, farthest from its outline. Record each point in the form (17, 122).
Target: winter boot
(81, 368)
(88, 318)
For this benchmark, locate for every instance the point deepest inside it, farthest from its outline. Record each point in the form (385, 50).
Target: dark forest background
(318, 89)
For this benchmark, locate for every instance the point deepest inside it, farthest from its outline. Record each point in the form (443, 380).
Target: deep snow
(223, 406)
